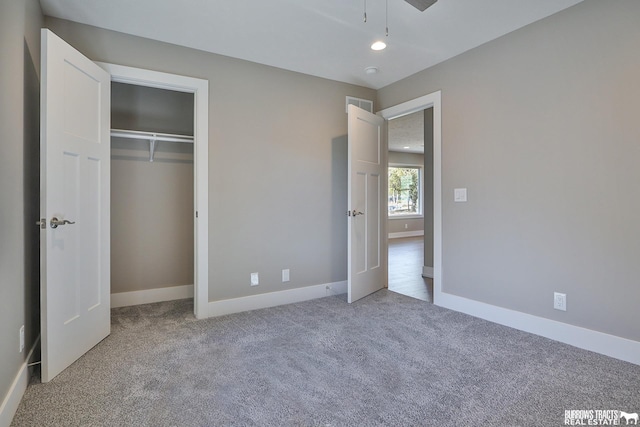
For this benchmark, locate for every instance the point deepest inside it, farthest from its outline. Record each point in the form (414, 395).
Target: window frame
(420, 213)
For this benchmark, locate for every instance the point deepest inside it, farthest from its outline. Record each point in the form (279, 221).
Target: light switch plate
(285, 275)
(460, 195)
(255, 281)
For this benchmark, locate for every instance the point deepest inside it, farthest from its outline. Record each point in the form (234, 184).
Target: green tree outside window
(404, 191)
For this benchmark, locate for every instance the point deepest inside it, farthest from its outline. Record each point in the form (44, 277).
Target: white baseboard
(125, 299)
(427, 272)
(587, 339)
(401, 234)
(273, 299)
(16, 391)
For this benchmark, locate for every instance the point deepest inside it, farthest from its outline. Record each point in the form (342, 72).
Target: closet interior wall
(152, 241)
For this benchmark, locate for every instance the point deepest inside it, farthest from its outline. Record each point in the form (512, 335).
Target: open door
(74, 205)
(367, 265)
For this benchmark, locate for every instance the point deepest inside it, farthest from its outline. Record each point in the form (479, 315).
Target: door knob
(355, 213)
(55, 222)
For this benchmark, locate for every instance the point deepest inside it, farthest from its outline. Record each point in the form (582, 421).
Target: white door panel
(75, 168)
(367, 271)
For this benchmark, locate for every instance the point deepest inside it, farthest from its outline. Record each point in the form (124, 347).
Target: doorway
(193, 91)
(152, 221)
(408, 210)
(432, 191)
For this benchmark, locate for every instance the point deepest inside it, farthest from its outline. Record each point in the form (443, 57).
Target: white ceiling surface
(324, 38)
(406, 133)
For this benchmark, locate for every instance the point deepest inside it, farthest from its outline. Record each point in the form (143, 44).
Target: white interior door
(367, 266)
(74, 193)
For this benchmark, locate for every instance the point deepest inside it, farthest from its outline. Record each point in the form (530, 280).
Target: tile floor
(406, 258)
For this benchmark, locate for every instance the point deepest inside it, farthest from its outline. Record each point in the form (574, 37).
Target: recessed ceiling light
(371, 70)
(379, 45)
(406, 148)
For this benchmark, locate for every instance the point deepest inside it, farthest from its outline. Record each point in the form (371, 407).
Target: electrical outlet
(560, 301)
(406, 226)
(285, 275)
(21, 338)
(255, 280)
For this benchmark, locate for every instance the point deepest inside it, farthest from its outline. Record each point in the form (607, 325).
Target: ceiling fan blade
(421, 5)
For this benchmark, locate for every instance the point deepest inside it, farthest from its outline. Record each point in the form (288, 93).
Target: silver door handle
(355, 213)
(55, 222)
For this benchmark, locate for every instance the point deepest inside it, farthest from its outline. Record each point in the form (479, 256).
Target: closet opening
(152, 194)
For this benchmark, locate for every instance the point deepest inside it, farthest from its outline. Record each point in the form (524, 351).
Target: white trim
(394, 217)
(273, 299)
(433, 100)
(427, 272)
(599, 342)
(412, 106)
(16, 391)
(401, 234)
(406, 165)
(200, 90)
(148, 296)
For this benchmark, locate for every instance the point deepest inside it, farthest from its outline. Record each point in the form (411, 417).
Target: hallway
(405, 268)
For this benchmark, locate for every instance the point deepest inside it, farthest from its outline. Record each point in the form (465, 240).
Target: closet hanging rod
(152, 137)
(156, 136)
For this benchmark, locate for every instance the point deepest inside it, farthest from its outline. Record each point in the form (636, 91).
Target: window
(405, 191)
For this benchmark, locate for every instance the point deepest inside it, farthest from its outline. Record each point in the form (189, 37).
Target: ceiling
(406, 133)
(324, 38)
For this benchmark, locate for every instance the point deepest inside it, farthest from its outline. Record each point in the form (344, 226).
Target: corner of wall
(10, 404)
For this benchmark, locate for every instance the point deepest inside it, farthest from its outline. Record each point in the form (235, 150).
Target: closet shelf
(152, 137)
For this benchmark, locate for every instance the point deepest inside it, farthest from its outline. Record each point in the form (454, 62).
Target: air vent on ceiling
(365, 104)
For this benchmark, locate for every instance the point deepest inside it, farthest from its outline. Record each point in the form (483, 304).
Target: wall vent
(365, 104)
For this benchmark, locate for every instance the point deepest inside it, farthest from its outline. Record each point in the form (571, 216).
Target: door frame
(200, 90)
(432, 100)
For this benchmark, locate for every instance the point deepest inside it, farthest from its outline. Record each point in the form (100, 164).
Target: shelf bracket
(152, 137)
(152, 149)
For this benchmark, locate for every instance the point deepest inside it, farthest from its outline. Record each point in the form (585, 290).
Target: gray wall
(414, 159)
(397, 225)
(151, 203)
(151, 109)
(277, 161)
(20, 23)
(541, 126)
